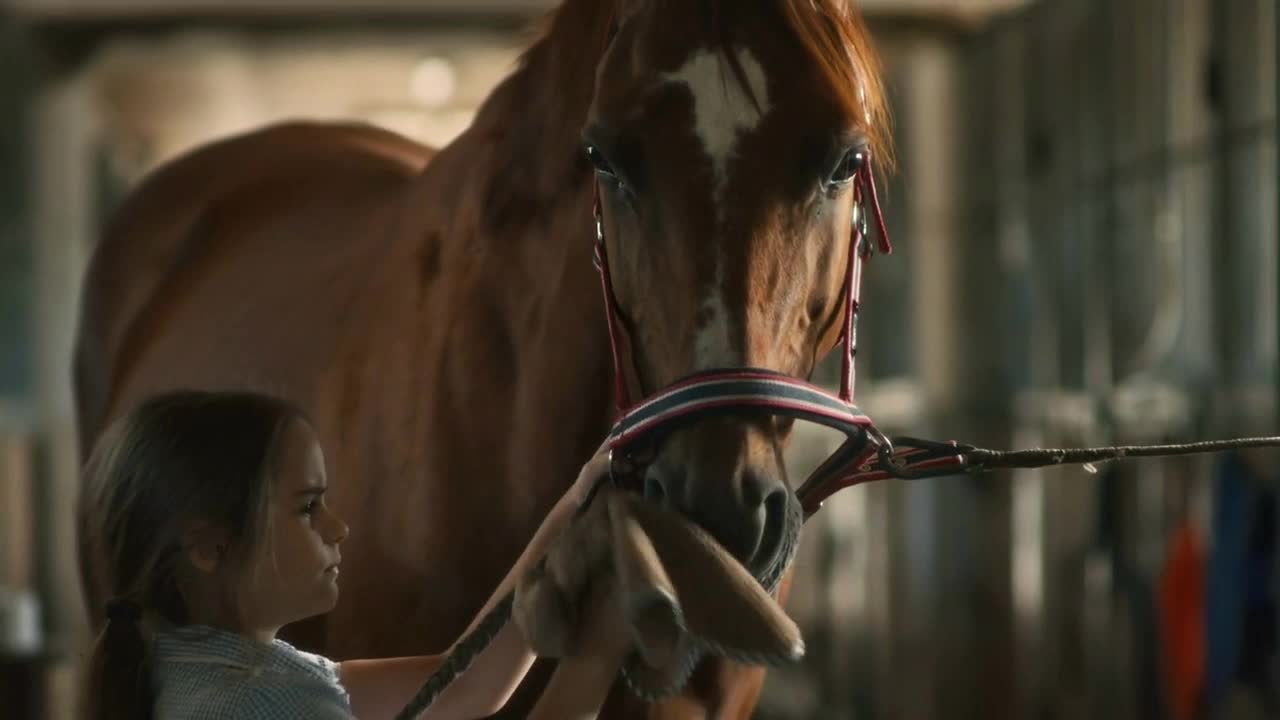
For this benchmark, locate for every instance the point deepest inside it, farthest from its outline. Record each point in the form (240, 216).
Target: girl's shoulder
(201, 672)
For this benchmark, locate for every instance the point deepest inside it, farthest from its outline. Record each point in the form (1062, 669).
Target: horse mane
(838, 41)
(543, 104)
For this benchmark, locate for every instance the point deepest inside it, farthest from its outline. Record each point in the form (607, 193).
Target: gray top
(204, 673)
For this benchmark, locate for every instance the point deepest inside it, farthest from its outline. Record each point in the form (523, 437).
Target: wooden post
(63, 222)
(17, 524)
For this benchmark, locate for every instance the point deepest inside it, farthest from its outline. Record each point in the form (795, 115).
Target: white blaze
(722, 113)
(711, 346)
(722, 109)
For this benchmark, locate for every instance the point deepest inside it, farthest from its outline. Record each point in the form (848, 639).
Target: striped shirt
(204, 673)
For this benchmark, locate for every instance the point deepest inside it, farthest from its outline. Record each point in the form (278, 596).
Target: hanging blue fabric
(1229, 574)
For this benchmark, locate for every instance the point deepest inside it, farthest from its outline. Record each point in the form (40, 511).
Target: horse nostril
(783, 424)
(775, 517)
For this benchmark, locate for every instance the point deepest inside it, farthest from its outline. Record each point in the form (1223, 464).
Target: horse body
(396, 324)
(437, 316)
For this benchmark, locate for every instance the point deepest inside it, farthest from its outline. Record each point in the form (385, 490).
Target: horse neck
(530, 126)
(517, 184)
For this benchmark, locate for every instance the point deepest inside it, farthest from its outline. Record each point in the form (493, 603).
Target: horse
(436, 313)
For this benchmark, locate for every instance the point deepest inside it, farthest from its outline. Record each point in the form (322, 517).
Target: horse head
(727, 139)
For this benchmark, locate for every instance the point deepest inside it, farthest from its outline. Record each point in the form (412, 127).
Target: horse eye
(597, 159)
(848, 166)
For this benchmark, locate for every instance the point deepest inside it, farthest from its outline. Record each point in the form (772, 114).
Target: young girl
(208, 517)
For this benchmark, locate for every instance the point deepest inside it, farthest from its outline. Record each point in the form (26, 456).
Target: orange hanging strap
(1182, 623)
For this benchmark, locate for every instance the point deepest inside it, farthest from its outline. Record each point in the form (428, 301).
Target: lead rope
(464, 652)
(976, 460)
(983, 459)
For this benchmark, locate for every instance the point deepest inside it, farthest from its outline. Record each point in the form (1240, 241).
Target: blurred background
(1086, 227)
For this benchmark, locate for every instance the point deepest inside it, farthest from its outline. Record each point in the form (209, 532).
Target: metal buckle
(859, 222)
(624, 472)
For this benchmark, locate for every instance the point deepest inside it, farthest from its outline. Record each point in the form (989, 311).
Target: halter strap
(859, 254)
(601, 259)
(734, 390)
(866, 455)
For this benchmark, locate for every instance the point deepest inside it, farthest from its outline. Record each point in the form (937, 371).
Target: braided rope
(983, 459)
(466, 651)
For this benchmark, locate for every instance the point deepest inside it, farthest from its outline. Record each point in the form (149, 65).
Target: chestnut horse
(438, 317)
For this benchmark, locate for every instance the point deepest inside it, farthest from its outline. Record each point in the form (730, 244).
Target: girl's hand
(549, 592)
(553, 598)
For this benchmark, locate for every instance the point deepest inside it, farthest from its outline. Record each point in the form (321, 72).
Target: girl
(207, 516)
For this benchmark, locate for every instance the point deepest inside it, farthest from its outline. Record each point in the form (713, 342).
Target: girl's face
(293, 573)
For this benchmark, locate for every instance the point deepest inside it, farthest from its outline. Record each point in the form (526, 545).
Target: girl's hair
(175, 459)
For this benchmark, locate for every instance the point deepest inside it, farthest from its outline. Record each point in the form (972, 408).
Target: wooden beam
(96, 11)
(84, 12)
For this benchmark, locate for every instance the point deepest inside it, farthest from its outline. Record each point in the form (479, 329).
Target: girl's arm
(380, 688)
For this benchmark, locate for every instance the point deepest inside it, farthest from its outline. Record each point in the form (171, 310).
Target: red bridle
(725, 390)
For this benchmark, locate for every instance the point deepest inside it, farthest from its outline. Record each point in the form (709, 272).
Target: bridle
(866, 454)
